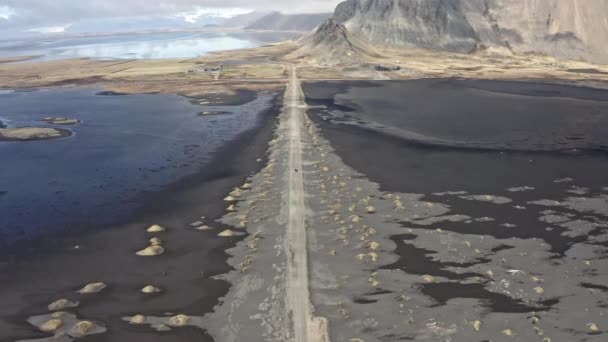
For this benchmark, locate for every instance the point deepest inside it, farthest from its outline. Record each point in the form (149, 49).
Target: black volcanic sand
(505, 116)
(446, 168)
(40, 272)
(507, 134)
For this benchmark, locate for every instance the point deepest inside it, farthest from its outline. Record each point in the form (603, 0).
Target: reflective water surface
(124, 146)
(139, 46)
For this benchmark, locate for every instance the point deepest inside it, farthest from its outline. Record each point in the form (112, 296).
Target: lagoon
(164, 45)
(125, 147)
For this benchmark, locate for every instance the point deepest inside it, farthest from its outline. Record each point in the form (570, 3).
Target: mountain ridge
(573, 29)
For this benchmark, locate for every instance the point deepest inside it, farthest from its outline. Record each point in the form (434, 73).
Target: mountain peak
(333, 44)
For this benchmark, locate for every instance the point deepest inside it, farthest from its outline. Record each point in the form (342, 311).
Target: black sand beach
(363, 134)
(420, 227)
(465, 153)
(36, 273)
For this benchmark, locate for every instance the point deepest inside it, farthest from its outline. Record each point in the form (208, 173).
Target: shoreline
(197, 257)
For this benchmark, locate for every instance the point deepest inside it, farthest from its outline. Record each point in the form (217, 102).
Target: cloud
(6, 12)
(28, 14)
(192, 16)
(50, 29)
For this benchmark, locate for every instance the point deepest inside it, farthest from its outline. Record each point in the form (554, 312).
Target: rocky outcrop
(572, 29)
(61, 121)
(32, 133)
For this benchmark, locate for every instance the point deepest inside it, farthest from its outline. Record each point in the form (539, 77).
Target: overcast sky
(27, 14)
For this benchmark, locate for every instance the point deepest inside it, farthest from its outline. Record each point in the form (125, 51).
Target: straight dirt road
(271, 297)
(306, 328)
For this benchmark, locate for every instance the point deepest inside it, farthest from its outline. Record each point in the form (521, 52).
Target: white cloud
(26, 14)
(50, 29)
(7, 12)
(192, 16)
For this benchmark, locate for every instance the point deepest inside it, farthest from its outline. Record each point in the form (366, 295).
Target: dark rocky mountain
(429, 24)
(568, 29)
(333, 44)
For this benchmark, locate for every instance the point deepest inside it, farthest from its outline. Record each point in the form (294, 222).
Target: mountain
(429, 24)
(569, 29)
(333, 44)
(277, 21)
(244, 20)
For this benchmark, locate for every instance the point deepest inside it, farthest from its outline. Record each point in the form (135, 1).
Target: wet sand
(473, 114)
(36, 273)
(462, 243)
(386, 263)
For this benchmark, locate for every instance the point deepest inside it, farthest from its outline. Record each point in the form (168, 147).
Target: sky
(24, 15)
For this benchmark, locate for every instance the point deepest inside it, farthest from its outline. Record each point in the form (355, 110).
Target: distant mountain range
(258, 20)
(565, 29)
(276, 21)
(244, 20)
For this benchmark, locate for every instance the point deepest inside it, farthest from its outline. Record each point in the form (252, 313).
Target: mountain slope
(428, 24)
(333, 44)
(570, 29)
(276, 21)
